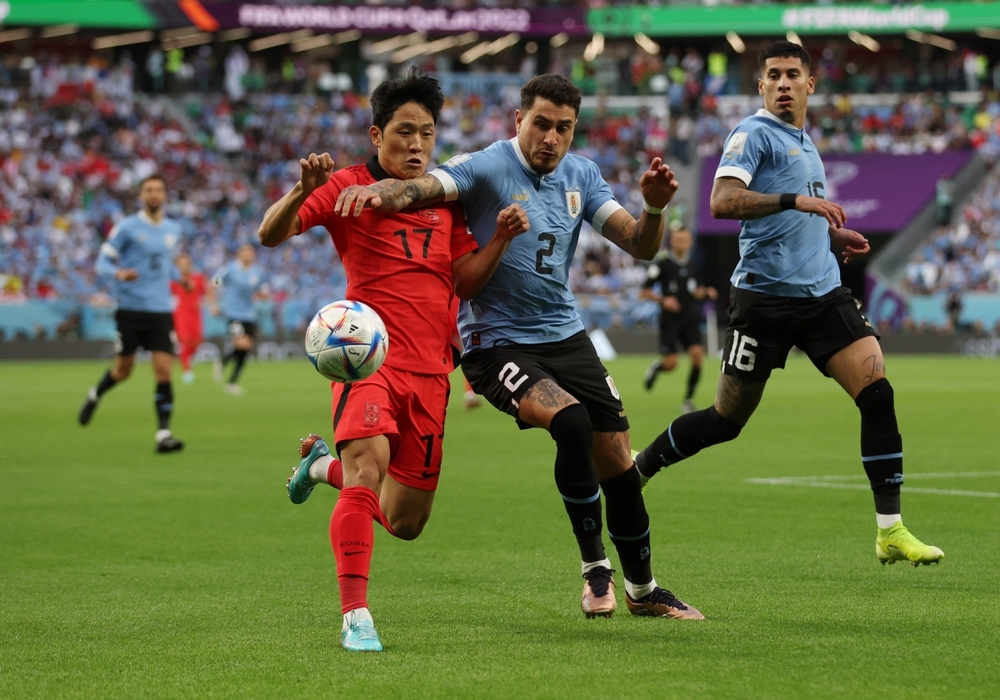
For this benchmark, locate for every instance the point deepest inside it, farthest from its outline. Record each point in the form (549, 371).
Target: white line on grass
(837, 482)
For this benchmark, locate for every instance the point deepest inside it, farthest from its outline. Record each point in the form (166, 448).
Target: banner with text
(377, 19)
(879, 192)
(776, 19)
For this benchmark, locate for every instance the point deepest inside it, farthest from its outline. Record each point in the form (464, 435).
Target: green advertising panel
(804, 19)
(123, 14)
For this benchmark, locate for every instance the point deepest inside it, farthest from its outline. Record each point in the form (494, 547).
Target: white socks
(885, 521)
(588, 565)
(319, 468)
(162, 435)
(356, 616)
(639, 591)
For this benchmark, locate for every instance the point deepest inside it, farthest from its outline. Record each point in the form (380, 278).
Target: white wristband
(650, 209)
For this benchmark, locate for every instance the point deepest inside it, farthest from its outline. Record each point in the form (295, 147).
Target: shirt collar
(524, 161)
(148, 219)
(376, 170)
(762, 112)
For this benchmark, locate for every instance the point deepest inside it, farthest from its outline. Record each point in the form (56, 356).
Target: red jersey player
(408, 267)
(188, 291)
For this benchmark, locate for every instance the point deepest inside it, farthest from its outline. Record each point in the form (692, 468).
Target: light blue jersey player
(240, 281)
(786, 254)
(787, 292)
(526, 349)
(139, 257)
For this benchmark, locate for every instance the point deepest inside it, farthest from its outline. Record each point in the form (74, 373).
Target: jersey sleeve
(219, 278)
(599, 202)
(461, 175)
(111, 250)
(317, 210)
(462, 241)
(742, 155)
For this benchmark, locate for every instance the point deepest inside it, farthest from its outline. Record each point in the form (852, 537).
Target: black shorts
(238, 328)
(763, 328)
(152, 331)
(504, 373)
(679, 332)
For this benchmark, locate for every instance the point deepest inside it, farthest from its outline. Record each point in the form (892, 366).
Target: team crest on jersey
(429, 215)
(371, 415)
(574, 203)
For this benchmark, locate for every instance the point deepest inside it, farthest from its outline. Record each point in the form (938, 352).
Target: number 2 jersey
(786, 254)
(528, 300)
(400, 265)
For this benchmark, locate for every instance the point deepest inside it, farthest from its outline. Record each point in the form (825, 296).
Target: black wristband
(787, 201)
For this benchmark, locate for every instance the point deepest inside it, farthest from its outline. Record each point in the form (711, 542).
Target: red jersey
(188, 300)
(400, 265)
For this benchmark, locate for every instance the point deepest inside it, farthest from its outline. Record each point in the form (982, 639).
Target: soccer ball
(347, 341)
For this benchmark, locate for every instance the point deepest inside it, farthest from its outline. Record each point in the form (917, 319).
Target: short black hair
(555, 88)
(154, 176)
(393, 94)
(784, 49)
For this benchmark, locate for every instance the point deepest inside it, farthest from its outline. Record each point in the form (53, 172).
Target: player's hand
(512, 221)
(316, 171)
(658, 184)
(711, 293)
(357, 198)
(854, 245)
(831, 211)
(127, 274)
(671, 304)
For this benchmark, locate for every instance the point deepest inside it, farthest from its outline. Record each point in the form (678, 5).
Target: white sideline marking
(837, 482)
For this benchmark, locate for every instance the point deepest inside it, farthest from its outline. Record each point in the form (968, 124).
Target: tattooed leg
(857, 366)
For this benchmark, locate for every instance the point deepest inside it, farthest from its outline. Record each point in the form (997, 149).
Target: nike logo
(428, 473)
(348, 554)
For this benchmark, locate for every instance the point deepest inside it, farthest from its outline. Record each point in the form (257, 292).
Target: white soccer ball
(347, 341)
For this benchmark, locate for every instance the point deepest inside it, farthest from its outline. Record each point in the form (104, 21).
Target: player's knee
(408, 526)
(876, 402)
(669, 363)
(723, 429)
(571, 426)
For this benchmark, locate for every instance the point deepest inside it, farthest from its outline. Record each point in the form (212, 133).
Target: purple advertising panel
(375, 19)
(879, 192)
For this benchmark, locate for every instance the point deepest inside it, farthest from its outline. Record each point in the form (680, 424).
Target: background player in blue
(526, 348)
(139, 256)
(240, 280)
(786, 291)
(679, 298)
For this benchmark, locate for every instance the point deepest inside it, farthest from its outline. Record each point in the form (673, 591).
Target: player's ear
(518, 118)
(760, 86)
(376, 136)
(811, 86)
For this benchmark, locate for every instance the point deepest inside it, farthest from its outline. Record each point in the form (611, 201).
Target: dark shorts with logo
(504, 373)
(679, 332)
(152, 331)
(763, 328)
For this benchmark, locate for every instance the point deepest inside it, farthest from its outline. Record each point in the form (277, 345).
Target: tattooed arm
(389, 196)
(642, 238)
(732, 200)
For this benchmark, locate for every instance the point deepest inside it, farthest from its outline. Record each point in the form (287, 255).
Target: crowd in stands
(75, 141)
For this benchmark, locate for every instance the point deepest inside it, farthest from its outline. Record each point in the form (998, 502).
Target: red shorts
(407, 408)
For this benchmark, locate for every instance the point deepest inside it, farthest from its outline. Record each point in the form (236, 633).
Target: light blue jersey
(786, 254)
(528, 300)
(148, 248)
(238, 285)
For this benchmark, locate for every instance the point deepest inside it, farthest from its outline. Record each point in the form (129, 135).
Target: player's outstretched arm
(641, 238)
(281, 221)
(732, 200)
(389, 196)
(472, 271)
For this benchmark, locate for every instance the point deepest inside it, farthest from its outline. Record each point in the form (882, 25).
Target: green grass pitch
(126, 574)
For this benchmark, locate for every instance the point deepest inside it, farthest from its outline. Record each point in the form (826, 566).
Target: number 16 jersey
(400, 265)
(528, 299)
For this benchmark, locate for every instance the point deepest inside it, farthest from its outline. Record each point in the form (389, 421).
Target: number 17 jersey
(400, 265)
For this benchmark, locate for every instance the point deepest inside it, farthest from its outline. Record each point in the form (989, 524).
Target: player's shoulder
(357, 174)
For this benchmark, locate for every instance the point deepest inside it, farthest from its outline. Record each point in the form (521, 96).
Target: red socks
(335, 474)
(352, 534)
